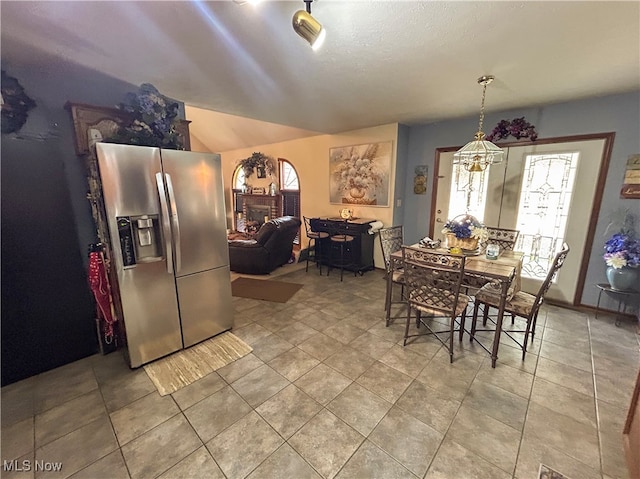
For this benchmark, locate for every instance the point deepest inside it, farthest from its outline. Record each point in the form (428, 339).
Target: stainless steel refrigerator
(167, 222)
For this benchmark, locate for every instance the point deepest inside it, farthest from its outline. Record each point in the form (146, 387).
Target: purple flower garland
(518, 128)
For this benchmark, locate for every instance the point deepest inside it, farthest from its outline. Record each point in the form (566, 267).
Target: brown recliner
(271, 247)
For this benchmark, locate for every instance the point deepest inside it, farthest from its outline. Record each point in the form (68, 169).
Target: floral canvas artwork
(360, 174)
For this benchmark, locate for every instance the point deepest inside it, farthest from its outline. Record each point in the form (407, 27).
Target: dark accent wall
(47, 306)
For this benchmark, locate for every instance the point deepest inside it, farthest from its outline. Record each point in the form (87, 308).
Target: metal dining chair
(391, 240)
(522, 304)
(315, 237)
(432, 283)
(503, 237)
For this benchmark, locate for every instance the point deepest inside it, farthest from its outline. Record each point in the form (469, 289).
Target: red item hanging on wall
(99, 284)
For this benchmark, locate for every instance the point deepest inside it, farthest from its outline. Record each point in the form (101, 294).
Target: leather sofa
(270, 248)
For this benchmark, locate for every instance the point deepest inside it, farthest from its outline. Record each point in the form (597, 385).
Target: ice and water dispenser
(140, 239)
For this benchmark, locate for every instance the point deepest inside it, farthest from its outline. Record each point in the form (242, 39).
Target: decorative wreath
(15, 104)
(518, 128)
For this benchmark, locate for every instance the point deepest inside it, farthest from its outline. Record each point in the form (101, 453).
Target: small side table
(623, 296)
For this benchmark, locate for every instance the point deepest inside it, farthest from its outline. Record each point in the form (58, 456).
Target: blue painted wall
(615, 113)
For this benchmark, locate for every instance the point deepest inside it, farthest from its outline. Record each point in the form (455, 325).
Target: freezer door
(196, 199)
(205, 304)
(147, 288)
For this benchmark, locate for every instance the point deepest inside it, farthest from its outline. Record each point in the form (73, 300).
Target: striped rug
(184, 367)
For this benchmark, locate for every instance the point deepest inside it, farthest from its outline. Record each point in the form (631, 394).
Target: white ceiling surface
(383, 62)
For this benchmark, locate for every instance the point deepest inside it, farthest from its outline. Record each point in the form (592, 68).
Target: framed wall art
(359, 174)
(420, 180)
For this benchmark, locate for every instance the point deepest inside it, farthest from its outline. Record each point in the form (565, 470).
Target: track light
(308, 27)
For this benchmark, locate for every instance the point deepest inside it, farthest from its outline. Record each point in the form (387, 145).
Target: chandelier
(479, 153)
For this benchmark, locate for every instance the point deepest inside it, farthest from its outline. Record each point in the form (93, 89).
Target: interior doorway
(549, 190)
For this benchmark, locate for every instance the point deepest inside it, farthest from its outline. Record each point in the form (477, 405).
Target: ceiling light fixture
(479, 153)
(308, 27)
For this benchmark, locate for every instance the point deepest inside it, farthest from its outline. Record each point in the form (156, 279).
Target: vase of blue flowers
(622, 256)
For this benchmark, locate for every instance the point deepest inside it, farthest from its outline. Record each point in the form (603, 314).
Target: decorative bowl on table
(464, 232)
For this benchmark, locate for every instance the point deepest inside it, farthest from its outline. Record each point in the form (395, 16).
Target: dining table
(502, 273)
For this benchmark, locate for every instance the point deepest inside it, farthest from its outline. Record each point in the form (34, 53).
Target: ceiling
(383, 62)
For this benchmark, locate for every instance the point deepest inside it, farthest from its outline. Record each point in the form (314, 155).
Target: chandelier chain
(484, 90)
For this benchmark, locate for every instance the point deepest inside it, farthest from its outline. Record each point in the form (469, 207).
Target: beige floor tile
(386, 382)
(237, 369)
(326, 442)
(485, 436)
(284, 463)
(493, 401)
(320, 346)
(288, 410)
(344, 331)
(323, 383)
(564, 401)
(159, 449)
(371, 345)
(409, 441)
(454, 461)
(297, 333)
(565, 434)
(259, 385)
(17, 401)
(197, 465)
(111, 466)
(349, 362)
(17, 439)
(359, 408)
(567, 376)
(241, 448)
(293, 363)
(78, 449)
(404, 360)
(251, 333)
(124, 389)
(142, 415)
(270, 347)
(564, 355)
(78, 379)
(67, 417)
(371, 462)
(429, 405)
(198, 390)
(535, 451)
(510, 379)
(214, 414)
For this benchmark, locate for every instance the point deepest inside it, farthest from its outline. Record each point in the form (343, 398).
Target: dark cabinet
(359, 252)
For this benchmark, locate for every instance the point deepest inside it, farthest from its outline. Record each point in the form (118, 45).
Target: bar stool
(339, 241)
(317, 249)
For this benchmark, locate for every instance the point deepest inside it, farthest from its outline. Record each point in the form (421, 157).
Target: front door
(546, 191)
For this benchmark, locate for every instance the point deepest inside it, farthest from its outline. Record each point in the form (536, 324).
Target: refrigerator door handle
(166, 230)
(174, 220)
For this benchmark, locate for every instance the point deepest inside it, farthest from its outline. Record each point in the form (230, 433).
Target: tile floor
(328, 391)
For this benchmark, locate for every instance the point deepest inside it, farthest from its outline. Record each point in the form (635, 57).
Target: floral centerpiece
(264, 165)
(154, 120)
(464, 231)
(622, 254)
(356, 174)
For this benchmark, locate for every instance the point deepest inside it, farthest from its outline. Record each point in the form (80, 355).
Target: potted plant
(622, 253)
(264, 165)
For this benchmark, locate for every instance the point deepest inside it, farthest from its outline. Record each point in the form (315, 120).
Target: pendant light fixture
(308, 27)
(479, 153)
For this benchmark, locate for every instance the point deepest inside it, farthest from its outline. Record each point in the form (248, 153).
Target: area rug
(265, 289)
(188, 365)
(547, 473)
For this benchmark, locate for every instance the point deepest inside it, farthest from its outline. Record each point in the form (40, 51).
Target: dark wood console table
(362, 252)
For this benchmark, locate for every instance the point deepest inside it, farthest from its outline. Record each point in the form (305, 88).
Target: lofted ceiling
(382, 62)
